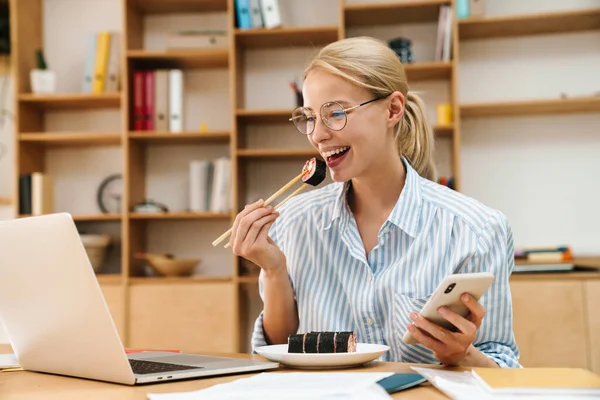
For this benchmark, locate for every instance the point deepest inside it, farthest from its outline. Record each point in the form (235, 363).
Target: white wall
(6, 135)
(541, 171)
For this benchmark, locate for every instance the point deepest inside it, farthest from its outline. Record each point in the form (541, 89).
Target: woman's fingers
(256, 229)
(441, 334)
(245, 224)
(247, 210)
(477, 310)
(424, 339)
(464, 325)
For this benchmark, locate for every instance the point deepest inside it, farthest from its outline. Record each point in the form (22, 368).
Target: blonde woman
(365, 252)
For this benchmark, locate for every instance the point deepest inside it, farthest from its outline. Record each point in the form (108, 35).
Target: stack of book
(210, 185)
(544, 259)
(443, 46)
(102, 63)
(543, 255)
(36, 194)
(158, 100)
(260, 14)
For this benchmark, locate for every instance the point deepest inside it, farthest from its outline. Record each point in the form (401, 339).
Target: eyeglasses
(333, 115)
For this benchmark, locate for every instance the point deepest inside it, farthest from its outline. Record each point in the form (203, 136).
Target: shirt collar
(405, 214)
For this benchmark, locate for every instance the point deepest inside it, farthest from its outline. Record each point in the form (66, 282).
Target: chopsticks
(269, 201)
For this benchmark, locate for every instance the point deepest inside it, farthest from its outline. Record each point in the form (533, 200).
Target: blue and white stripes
(432, 232)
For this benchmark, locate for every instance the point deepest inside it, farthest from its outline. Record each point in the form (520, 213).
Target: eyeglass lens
(332, 115)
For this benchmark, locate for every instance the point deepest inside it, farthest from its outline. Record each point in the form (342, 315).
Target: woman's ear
(396, 108)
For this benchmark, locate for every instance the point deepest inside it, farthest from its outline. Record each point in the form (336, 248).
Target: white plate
(365, 352)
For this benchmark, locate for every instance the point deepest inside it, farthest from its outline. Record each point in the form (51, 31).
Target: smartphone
(401, 381)
(448, 294)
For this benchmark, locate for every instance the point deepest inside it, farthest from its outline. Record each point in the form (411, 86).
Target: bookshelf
(71, 139)
(285, 37)
(128, 291)
(534, 24)
(180, 59)
(73, 101)
(387, 13)
(209, 305)
(532, 107)
(180, 138)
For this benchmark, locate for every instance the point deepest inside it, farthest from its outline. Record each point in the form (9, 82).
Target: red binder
(138, 101)
(149, 100)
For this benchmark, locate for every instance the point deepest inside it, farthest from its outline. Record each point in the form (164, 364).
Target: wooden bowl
(168, 266)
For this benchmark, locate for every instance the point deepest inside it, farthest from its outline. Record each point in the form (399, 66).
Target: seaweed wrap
(322, 342)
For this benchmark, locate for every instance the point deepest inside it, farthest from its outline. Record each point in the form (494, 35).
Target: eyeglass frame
(345, 110)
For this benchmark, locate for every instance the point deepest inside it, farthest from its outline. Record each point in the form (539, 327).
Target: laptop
(57, 319)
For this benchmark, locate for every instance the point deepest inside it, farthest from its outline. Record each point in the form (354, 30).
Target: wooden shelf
(285, 37)
(276, 153)
(6, 201)
(192, 59)
(532, 107)
(428, 71)
(178, 215)
(443, 130)
(248, 279)
(590, 261)
(75, 101)
(178, 279)
(264, 116)
(180, 6)
(71, 139)
(88, 217)
(534, 24)
(393, 13)
(180, 138)
(96, 217)
(110, 279)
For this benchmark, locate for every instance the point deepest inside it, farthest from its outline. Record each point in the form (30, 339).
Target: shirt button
(370, 322)
(370, 278)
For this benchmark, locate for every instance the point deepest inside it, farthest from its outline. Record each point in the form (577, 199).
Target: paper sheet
(292, 386)
(8, 361)
(463, 386)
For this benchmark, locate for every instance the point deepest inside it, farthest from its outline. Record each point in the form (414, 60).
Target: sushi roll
(322, 342)
(316, 171)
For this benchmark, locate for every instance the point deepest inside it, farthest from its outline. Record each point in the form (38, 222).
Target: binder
(199, 185)
(114, 63)
(462, 9)
(476, 8)
(25, 194)
(175, 100)
(148, 108)
(242, 8)
(42, 194)
(101, 62)
(256, 14)
(88, 70)
(161, 100)
(272, 13)
(138, 101)
(538, 381)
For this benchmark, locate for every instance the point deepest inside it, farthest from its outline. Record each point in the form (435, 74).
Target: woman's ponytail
(415, 138)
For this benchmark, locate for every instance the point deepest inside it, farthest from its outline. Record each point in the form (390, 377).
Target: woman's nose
(321, 131)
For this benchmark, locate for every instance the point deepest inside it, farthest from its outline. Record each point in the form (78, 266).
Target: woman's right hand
(250, 237)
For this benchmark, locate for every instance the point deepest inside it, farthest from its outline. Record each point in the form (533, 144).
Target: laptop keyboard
(151, 367)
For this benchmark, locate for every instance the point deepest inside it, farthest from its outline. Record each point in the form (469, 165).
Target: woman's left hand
(450, 348)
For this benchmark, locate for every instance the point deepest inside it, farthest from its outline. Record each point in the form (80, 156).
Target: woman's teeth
(328, 154)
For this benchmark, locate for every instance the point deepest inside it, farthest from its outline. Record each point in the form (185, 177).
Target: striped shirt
(432, 231)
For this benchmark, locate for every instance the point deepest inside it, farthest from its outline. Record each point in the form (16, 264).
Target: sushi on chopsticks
(313, 173)
(322, 342)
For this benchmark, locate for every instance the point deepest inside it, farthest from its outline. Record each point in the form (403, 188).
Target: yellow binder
(101, 64)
